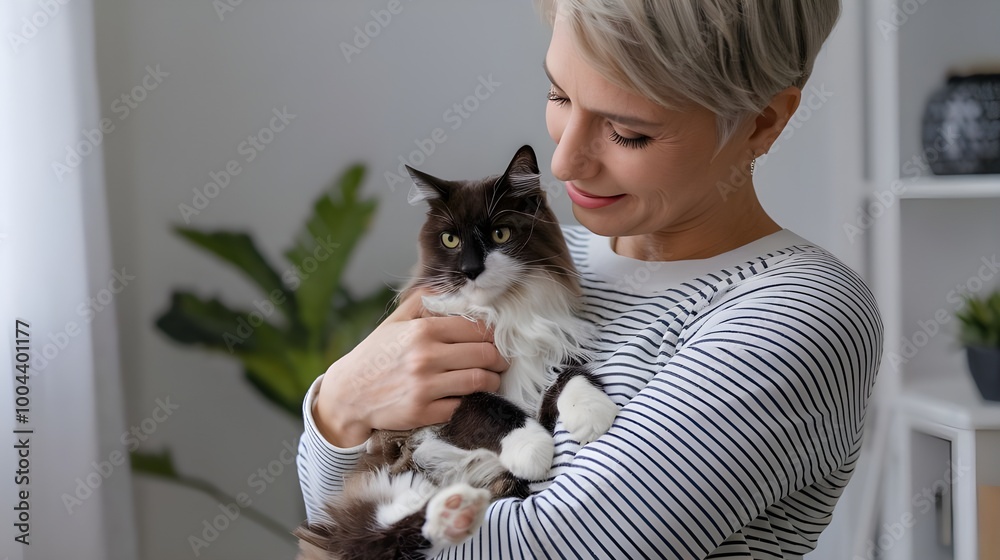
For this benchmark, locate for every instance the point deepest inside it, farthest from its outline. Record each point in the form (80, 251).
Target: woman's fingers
(411, 370)
(409, 308)
(444, 329)
(440, 410)
(467, 355)
(456, 329)
(462, 382)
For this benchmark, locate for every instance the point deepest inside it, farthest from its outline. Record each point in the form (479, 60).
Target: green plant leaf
(979, 320)
(355, 320)
(239, 250)
(192, 320)
(308, 365)
(263, 349)
(322, 249)
(157, 464)
(326, 321)
(275, 377)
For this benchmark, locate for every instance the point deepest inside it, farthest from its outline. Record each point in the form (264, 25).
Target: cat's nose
(471, 271)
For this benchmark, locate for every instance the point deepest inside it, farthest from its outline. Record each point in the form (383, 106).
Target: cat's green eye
(501, 235)
(450, 240)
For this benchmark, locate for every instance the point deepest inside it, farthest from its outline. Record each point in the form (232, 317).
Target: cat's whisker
(532, 230)
(491, 198)
(564, 272)
(538, 260)
(522, 280)
(439, 282)
(534, 217)
(543, 259)
(448, 217)
(404, 277)
(548, 274)
(436, 269)
(425, 280)
(492, 204)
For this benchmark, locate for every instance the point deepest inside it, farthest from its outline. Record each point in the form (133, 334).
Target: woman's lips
(589, 201)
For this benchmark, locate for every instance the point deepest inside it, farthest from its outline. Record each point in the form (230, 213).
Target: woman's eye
(501, 235)
(555, 98)
(638, 142)
(450, 240)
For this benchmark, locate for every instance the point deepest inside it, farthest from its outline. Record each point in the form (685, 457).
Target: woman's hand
(408, 373)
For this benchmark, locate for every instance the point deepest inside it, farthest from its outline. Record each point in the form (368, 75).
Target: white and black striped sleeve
(321, 465)
(764, 396)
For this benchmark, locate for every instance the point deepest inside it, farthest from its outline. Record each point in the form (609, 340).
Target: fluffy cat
(489, 250)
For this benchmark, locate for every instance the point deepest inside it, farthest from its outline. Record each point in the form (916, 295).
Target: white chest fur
(535, 326)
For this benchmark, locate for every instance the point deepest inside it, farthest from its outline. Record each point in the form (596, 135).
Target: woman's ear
(773, 119)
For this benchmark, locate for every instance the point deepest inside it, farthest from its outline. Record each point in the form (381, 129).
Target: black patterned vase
(961, 126)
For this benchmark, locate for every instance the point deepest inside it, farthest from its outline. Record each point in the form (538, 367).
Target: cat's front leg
(586, 410)
(492, 422)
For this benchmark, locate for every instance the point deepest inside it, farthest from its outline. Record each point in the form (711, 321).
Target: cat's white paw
(586, 411)
(454, 513)
(527, 452)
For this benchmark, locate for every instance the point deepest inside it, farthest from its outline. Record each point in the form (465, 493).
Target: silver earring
(753, 164)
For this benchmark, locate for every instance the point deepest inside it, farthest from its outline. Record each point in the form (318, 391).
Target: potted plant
(305, 319)
(322, 320)
(979, 321)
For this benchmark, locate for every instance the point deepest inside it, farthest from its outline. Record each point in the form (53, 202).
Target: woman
(741, 355)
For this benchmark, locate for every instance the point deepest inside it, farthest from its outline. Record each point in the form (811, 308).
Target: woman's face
(631, 167)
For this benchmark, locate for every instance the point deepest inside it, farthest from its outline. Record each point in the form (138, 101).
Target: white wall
(225, 77)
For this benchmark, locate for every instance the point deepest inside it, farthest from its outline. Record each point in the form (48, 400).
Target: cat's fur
(416, 492)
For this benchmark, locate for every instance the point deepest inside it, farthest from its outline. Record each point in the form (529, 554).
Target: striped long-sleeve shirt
(742, 382)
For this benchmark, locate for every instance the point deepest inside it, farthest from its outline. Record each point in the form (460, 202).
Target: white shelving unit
(934, 439)
(972, 186)
(947, 442)
(950, 402)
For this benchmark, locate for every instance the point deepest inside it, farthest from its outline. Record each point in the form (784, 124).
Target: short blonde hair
(729, 56)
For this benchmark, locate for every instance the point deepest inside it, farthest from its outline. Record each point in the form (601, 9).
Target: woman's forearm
(322, 465)
(338, 429)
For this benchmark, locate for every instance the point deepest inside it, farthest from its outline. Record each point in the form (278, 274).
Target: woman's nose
(577, 153)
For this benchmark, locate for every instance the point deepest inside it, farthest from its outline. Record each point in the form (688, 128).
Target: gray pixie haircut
(729, 56)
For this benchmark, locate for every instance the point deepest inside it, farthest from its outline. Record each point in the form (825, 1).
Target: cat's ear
(425, 187)
(522, 173)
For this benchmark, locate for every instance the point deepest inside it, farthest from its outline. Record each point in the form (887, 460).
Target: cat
(490, 250)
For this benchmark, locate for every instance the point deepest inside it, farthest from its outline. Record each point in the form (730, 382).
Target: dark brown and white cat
(490, 250)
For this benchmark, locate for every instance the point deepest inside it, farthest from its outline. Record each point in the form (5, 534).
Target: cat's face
(484, 238)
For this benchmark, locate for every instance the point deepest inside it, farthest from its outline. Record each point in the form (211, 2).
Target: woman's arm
(321, 465)
(766, 398)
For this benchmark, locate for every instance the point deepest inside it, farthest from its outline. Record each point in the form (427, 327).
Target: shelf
(952, 186)
(952, 401)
